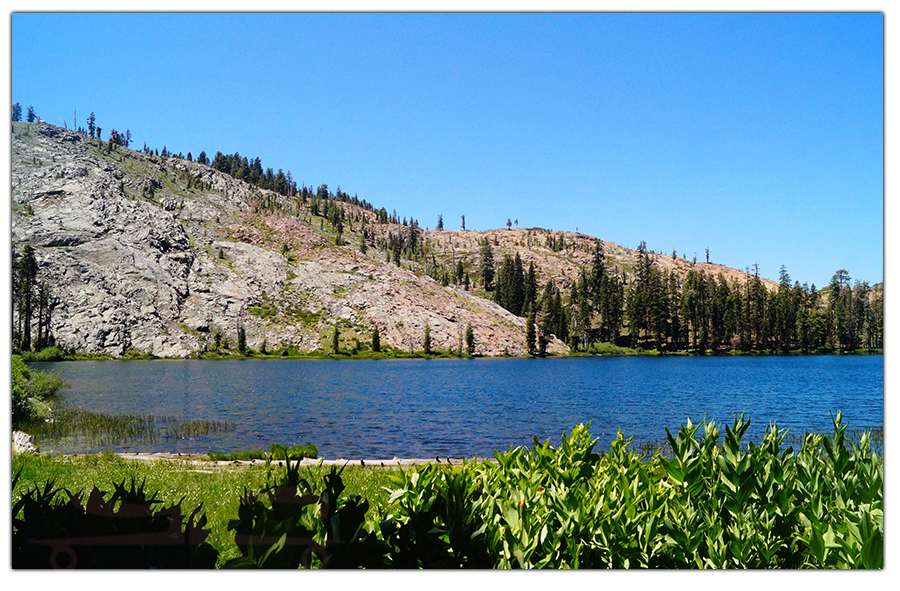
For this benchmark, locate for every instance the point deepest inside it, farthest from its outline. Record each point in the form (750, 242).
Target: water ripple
(422, 408)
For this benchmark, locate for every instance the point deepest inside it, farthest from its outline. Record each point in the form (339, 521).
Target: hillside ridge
(159, 255)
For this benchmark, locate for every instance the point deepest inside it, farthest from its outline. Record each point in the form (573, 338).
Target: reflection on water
(465, 407)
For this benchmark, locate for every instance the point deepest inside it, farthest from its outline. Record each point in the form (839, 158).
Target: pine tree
(242, 339)
(721, 335)
(17, 112)
(470, 340)
(24, 292)
(45, 303)
(530, 334)
(440, 223)
(426, 347)
(529, 305)
(638, 304)
(583, 311)
(32, 117)
(503, 288)
(487, 265)
(376, 340)
(517, 287)
(336, 341)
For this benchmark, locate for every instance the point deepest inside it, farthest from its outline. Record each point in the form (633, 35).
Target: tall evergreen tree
(376, 339)
(529, 304)
(16, 112)
(585, 312)
(242, 339)
(470, 339)
(486, 266)
(517, 297)
(530, 334)
(639, 302)
(426, 346)
(24, 291)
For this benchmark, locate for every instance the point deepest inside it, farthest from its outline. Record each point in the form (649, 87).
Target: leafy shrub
(705, 506)
(46, 354)
(294, 526)
(30, 391)
(51, 530)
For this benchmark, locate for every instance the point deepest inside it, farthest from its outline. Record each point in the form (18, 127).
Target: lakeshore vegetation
(712, 501)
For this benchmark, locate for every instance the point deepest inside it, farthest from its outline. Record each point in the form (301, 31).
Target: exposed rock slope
(158, 255)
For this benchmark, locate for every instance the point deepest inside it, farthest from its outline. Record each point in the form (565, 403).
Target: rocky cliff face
(164, 256)
(158, 255)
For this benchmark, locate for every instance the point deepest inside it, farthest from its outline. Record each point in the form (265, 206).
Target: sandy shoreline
(310, 462)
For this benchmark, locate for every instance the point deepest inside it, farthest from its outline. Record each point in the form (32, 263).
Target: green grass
(600, 348)
(217, 488)
(110, 430)
(302, 451)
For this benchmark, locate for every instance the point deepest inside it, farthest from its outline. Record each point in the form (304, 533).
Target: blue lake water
(469, 407)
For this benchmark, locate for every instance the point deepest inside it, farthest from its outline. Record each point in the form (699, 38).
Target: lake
(469, 407)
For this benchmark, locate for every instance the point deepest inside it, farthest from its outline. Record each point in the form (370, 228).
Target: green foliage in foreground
(703, 507)
(126, 530)
(708, 504)
(218, 489)
(31, 391)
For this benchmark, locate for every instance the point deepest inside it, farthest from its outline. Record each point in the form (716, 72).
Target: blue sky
(758, 136)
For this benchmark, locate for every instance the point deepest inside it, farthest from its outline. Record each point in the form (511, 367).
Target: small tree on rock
(470, 339)
(427, 344)
(376, 340)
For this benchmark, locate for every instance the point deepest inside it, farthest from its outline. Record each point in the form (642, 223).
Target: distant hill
(160, 255)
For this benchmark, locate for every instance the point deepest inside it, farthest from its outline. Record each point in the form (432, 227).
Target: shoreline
(203, 460)
(343, 357)
(305, 462)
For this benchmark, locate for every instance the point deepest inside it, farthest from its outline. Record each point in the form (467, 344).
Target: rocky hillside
(165, 256)
(158, 255)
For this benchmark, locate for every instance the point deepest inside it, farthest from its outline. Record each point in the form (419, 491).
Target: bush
(52, 530)
(738, 506)
(297, 527)
(21, 375)
(47, 354)
(31, 391)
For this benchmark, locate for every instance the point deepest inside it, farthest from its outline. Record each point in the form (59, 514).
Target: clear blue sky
(758, 136)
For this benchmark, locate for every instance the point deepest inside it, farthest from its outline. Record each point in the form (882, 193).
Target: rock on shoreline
(21, 442)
